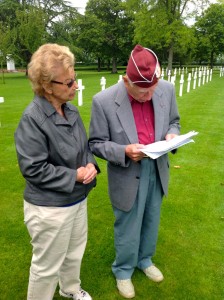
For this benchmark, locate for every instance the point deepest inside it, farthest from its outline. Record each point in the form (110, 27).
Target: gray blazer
(112, 127)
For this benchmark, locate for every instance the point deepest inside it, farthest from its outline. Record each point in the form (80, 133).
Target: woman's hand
(86, 174)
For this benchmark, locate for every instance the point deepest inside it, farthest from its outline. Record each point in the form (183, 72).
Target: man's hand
(133, 152)
(170, 136)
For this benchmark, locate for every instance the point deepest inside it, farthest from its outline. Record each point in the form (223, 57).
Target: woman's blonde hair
(45, 62)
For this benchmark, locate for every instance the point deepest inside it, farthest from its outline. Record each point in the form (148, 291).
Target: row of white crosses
(81, 87)
(221, 73)
(202, 74)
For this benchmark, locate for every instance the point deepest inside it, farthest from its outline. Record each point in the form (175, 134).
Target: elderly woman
(60, 171)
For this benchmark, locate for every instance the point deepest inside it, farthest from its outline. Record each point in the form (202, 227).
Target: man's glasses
(69, 85)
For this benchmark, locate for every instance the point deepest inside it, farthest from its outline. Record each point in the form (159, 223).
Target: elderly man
(135, 112)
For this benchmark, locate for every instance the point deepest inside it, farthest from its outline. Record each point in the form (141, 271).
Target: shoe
(126, 288)
(80, 295)
(153, 273)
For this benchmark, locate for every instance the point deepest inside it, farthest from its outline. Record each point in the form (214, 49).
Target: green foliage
(191, 239)
(31, 28)
(36, 22)
(91, 35)
(110, 27)
(8, 10)
(210, 31)
(160, 25)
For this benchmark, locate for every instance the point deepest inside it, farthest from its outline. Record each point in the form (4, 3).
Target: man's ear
(125, 79)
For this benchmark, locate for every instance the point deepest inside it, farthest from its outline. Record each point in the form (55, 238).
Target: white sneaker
(154, 273)
(80, 295)
(126, 288)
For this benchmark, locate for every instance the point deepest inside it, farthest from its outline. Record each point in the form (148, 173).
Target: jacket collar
(71, 111)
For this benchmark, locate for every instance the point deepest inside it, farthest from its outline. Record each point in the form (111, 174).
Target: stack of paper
(157, 149)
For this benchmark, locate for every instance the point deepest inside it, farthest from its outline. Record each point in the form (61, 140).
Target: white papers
(157, 149)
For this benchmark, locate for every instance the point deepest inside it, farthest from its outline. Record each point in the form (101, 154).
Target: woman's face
(64, 86)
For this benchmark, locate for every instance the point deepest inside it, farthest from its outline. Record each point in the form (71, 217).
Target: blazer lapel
(125, 115)
(159, 106)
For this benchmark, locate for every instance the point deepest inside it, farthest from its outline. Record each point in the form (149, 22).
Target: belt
(146, 156)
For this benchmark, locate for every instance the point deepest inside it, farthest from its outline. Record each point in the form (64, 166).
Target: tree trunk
(170, 58)
(114, 65)
(108, 64)
(98, 64)
(3, 77)
(212, 59)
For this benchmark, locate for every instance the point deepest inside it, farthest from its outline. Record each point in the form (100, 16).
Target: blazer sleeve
(100, 137)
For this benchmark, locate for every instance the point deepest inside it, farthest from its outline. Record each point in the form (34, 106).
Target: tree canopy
(109, 29)
(209, 29)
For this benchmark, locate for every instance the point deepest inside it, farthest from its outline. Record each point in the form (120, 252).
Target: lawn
(190, 250)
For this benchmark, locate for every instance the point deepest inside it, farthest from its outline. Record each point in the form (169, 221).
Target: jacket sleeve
(32, 152)
(100, 136)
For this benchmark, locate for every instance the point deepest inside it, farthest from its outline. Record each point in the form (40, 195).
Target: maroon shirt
(144, 120)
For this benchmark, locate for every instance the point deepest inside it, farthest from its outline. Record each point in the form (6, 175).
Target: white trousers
(58, 236)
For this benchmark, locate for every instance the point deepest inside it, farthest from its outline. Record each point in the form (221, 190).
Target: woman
(60, 171)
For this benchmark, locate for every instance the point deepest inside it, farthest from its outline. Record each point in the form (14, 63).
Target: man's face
(138, 93)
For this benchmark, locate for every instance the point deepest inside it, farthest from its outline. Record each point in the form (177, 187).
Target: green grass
(190, 249)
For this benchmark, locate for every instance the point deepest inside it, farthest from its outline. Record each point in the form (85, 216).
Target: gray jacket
(50, 149)
(112, 127)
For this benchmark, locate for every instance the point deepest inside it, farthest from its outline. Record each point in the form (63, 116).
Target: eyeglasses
(69, 85)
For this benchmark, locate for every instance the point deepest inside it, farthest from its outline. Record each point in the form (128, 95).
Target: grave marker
(80, 89)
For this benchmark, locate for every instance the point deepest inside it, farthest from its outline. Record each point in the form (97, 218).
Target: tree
(8, 32)
(161, 25)
(37, 22)
(63, 30)
(91, 37)
(210, 32)
(107, 30)
(7, 38)
(31, 30)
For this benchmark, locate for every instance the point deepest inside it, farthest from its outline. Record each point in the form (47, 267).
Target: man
(137, 111)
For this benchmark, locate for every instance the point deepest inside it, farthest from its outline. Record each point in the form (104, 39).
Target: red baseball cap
(143, 68)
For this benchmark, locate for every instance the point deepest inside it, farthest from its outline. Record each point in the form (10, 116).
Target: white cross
(203, 77)
(199, 76)
(188, 82)
(207, 75)
(80, 89)
(181, 85)
(172, 80)
(1, 101)
(210, 78)
(103, 83)
(195, 79)
(169, 75)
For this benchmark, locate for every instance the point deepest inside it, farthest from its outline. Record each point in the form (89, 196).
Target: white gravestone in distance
(103, 83)
(80, 89)
(10, 63)
(1, 101)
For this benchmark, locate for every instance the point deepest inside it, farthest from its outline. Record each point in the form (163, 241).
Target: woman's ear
(47, 88)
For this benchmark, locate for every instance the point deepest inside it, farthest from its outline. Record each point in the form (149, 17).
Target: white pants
(58, 236)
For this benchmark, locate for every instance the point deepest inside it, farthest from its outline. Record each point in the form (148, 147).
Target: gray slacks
(136, 231)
